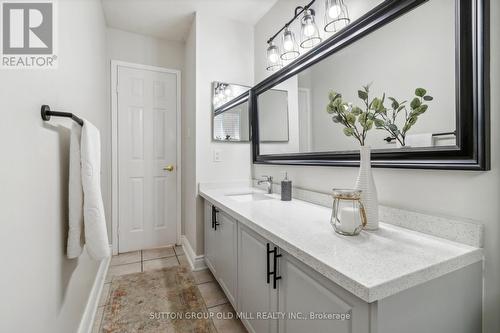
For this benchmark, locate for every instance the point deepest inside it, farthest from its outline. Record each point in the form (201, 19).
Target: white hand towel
(96, 235)
(419, 140)
(75, 200)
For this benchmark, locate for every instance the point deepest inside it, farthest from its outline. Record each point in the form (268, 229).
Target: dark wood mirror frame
(472, 94)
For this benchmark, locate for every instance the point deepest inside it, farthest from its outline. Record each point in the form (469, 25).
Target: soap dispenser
(286, 189)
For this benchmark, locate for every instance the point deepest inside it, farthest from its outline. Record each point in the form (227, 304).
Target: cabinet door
(255, 295)
(210, 244)
(225, 254)
(303, 291)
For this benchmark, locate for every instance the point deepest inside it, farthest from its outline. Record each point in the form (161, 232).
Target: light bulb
(334, 11)
(309, 29)
(273, 58)
(288, 44)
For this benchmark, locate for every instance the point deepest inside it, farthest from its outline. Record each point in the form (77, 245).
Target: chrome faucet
(269, 181)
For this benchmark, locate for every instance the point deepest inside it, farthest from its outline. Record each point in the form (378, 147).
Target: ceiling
(171, 19)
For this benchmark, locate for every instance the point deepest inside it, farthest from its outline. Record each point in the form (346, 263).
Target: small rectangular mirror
(230, 115)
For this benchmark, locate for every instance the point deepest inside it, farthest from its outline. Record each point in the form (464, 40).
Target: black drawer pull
(268, 263)
(214, 217)
(275, 264)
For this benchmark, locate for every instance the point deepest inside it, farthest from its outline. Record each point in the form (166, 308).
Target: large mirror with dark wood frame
(408, 78)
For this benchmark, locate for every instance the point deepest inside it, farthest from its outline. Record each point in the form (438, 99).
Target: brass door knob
(169, 168)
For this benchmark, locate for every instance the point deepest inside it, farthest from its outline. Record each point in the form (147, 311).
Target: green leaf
(351, 118)
(362, 118)
(348, 131)
(393, 127)
(376, 104)
(332, 96)
(395, 104)
(339, 103)
(330, 108)
(428, 98)
(336, 119)
(412, 120)
(415, 103)
(421, 109)
(356, 111)
(368, 125)
(420, 92)
(363, 95)
(379, 123)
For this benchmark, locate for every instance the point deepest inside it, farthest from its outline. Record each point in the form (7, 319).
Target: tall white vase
(366, 184)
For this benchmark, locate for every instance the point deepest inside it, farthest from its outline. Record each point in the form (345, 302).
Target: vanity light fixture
(336, 18)
(309, 33)
(290, 47)
(222, 93)
(336, 15)
(273, 57)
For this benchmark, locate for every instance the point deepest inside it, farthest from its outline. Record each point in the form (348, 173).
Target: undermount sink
(247, 197)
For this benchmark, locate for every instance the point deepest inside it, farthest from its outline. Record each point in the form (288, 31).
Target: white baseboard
(88, 316)
(196, 262)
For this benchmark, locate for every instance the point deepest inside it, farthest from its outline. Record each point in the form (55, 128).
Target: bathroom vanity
(284, 269)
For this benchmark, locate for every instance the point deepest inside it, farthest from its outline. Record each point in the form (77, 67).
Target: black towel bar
(390, 139)
(46, 113)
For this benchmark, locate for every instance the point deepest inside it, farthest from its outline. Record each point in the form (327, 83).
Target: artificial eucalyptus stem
(376, 113)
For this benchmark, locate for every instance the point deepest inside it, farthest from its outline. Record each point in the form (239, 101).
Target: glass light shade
(336, 15)
(273, 58)
(290, 47)
(309, 35)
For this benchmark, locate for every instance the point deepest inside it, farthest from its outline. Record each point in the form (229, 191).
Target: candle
(349, 219)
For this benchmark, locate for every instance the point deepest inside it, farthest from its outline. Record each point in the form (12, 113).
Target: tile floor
(145, 260)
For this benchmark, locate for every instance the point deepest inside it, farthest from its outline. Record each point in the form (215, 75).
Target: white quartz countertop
(372, 266)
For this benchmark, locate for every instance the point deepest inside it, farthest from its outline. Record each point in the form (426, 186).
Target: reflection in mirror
(232, 124)
(273, 121)
(223, 93)
(417, 50)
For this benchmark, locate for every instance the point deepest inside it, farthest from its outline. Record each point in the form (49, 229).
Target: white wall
(223, 52)
(189, 142)
(464, 194)
(43, 291)
(146, 50)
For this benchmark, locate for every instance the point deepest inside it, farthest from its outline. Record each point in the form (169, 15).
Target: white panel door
(147, 151)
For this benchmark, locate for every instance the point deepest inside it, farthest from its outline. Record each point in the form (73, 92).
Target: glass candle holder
(348, 214)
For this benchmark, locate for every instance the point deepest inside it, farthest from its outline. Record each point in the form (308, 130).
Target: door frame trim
(115, 64)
